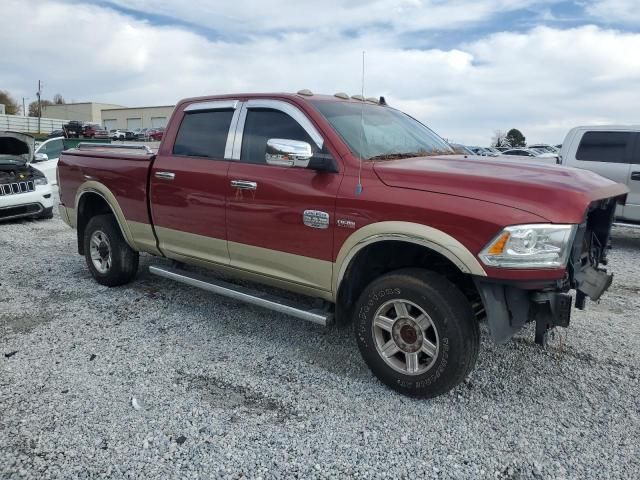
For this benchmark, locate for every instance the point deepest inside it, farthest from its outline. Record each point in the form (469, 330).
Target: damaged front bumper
(509, 305)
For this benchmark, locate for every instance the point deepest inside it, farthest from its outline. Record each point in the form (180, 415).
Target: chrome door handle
(244, 184)
(635, 176)
(165, 175)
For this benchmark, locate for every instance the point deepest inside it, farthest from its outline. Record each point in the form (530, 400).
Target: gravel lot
(225, 390)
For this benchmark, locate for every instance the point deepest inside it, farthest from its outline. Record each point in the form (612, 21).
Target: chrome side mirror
(40, 157)
(288, 153)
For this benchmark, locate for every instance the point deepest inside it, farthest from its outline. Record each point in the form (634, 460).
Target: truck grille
(16, 188)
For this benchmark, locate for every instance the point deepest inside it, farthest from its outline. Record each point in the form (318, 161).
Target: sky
(466, 68)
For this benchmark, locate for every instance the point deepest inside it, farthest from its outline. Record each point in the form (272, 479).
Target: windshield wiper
(398, 156)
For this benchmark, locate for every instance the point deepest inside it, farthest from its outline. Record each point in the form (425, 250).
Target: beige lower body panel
(255, 277)
(175, 242)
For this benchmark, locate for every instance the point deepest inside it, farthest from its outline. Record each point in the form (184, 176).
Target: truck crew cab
(356, 204)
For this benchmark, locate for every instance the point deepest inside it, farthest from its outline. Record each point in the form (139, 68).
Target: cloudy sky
(464, 67)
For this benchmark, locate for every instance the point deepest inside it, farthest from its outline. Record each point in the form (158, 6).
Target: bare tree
(11, 106)
(58, 99)
(33, 107)
(500, 139)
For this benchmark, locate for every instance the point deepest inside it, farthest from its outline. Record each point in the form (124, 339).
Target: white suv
(24, 190)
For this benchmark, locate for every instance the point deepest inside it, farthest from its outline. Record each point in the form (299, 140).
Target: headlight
(40, 180)
(530, 246)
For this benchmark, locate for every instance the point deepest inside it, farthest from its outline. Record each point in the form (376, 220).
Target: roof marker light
(342, 95)
(306, 92)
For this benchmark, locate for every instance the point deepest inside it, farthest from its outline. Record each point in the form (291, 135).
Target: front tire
(110, 259)
(417, 332)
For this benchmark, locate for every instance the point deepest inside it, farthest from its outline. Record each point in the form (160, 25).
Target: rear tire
(417, 332)
(110, 259)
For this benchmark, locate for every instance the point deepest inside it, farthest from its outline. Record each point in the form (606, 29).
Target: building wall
(140, 117)
(85, 112)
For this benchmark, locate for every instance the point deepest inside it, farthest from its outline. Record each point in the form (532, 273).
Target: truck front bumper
(509, 306)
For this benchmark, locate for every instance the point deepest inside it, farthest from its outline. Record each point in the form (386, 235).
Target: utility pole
(39, 104)
(24, 112)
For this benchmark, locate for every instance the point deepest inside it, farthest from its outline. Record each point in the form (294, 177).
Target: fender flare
(98, 188)
(429, 237)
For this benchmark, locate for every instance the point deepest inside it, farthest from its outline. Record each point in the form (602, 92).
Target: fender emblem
(342, 222)
(316, 219)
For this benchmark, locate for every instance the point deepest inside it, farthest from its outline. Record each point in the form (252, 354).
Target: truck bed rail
(97, 146)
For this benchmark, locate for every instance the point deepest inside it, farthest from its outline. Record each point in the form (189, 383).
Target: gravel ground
(160, 380)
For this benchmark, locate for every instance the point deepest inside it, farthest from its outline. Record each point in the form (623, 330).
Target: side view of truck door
(189, 182)
(280, 217)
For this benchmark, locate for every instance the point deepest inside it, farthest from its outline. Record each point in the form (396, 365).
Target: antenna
(359, 186)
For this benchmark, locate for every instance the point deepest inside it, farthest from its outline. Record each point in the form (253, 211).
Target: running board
(626, 225)
(260, 299)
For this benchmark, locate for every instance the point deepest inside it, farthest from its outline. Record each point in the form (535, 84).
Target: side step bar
(626, 225)
(243, 294)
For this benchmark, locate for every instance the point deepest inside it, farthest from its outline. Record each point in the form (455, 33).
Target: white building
(110, 115)
(136, 117)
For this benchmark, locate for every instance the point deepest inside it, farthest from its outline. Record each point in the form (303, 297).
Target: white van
(612, 151)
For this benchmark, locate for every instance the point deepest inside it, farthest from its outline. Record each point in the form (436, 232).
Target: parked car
(545, 148)
(47, 155)
(118, 134)
(463, 149)
(56, 134)
(95, 130)
(401, 236)
(156, 134)
(73, 129)
(539, 155)
(612, 151)
(24, 190)
(142, 133)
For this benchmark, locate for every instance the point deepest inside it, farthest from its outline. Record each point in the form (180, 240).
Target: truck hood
(16, 148)
(558, 194)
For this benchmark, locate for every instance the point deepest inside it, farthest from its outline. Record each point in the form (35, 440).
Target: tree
(11, 106)
(500, 139)
(516, 138)
(58, 99)
(33, 107)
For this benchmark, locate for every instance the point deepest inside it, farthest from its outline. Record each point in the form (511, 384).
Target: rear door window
(203, 134)
(610, 147)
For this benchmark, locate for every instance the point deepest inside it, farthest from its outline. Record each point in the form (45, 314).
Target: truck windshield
(375, 132)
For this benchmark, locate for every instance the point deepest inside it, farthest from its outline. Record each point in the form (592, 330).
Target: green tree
(11, 106)
(516, 138)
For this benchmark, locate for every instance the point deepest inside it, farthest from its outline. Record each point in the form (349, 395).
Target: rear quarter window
(611, 147)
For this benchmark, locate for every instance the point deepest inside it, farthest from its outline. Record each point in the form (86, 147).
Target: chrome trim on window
(294, 112)
(237, 142)
(228, 148)
(213, 105)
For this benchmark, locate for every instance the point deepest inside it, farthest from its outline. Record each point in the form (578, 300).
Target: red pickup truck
(355, 204)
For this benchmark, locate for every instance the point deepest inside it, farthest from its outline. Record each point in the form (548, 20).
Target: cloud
(542, 81)
(615, 11)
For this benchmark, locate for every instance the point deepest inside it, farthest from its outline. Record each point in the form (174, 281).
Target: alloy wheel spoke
(384, 323)
(429, 348)
(390, 348)
(401, 309)
(423, 322)
(412, 362)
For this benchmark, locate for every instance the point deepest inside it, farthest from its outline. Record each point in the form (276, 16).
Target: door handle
(244, 184)
(165, 175)
(635, 176)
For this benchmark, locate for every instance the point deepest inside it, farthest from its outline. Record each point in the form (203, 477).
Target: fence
(18, 123)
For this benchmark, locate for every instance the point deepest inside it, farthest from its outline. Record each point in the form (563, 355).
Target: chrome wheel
(100, 251)
(405, 337)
